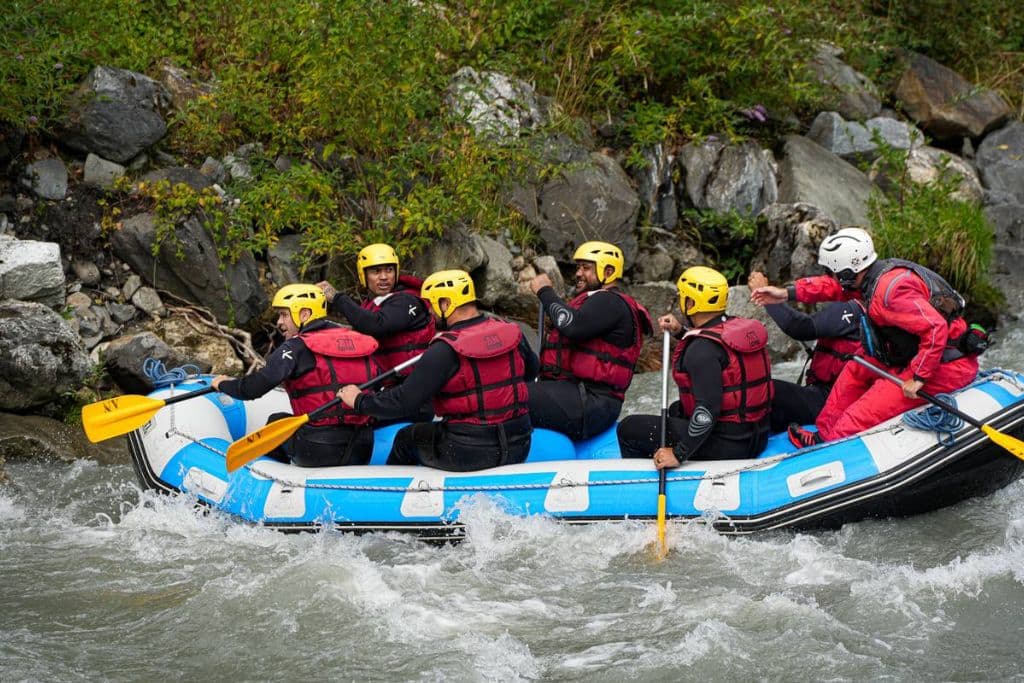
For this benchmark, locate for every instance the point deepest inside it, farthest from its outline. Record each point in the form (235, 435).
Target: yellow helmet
(297, 297)
(602, 254)
(708, 289)
(375, 255)
(454, 285)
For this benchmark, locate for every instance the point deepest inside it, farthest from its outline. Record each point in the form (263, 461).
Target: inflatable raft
(891, 470)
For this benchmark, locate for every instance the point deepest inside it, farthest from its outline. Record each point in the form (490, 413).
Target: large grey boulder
(946, 105)
(788, 241)
(234, 296)
(116, 114)
(589, 200)
(1000, 160)
(495, 104)
(854, 95)
(498, 285)
(810, 174)
(855, 141)
(656, 188)
(283, 259)
(929, 165)
(31, 271)
(100, 172)
(728, 178)
(125, 358)
(41, 357)
(38, 437)
(1008, 253)
(47, 178)
(455, 249)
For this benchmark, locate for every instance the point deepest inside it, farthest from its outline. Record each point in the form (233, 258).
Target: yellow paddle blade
(118, 415)
(662, 544)
(1015, 446)
(262, 441)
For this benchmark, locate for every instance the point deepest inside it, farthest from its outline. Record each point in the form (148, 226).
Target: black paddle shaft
(372, 382)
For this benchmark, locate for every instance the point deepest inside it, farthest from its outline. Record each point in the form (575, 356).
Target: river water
(99, 581)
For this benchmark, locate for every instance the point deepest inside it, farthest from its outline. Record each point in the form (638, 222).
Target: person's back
(589, 355)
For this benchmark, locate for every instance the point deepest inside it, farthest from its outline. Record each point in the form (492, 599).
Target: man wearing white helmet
(589, 354)
(913, 329)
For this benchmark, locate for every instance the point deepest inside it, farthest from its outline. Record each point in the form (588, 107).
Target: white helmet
(850, 249)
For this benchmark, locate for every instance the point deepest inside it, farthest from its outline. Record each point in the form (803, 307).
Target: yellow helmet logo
(375, 255)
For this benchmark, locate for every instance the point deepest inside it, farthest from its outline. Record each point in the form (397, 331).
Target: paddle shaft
(540, 333)
(372, 382)
(273, 434)
(663, 441)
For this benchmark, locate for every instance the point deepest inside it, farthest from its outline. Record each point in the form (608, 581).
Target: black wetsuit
(581, 409)
(456, 447)
(401, 311)
(801, 403)
(310, 446)
(707, 439)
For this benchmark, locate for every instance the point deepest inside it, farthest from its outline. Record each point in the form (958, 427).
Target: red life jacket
(746, 381)
(595, 360)
(403, 345)
(830, 356)
(488, 387)
(343, 356)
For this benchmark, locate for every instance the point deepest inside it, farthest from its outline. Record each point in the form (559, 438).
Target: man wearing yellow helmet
(392, 314)
(316, 358)
(723, 371)
(589, 354)
(475, 373)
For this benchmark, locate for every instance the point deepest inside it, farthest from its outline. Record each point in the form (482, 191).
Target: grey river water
(99, 581)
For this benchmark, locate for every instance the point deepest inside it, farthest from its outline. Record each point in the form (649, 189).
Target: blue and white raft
(891, 470)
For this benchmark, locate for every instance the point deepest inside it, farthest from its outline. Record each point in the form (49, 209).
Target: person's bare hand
(769, 295)
(670, 323)
(539, 282)
(329, 291)
(757, 279)
(665, 459)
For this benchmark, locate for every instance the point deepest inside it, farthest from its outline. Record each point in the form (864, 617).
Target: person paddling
(317, 357)
(475, 371)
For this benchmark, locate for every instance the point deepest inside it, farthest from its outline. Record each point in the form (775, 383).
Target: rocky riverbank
(85, 305)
